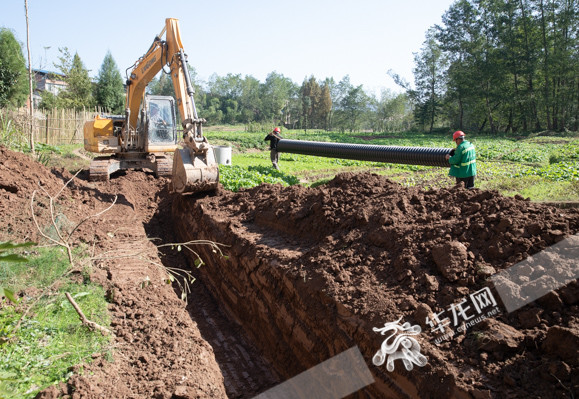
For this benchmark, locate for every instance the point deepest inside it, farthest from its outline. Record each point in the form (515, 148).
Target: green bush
(10, 135)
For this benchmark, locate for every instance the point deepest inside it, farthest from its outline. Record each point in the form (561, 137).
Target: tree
(393, 112)
(250, 100)
(512, 64)
(228, 90)
(325, 106)
(13, 74)
(316, 103)
(78, 92)
(48, 100)
(353, 106)
(338, 92)
(276, 93)
(461, 39)
(163, 86)
(310, 95)
(429, 81)
(558, 20)
(331, 86)
(109, 92)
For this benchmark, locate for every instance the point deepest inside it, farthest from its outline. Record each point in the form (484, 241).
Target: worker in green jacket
(463, 161)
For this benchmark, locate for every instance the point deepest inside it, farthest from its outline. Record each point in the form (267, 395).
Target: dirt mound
(323, 266)
(20, 176)
(157, 350)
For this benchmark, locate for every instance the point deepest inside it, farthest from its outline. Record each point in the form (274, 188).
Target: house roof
(45, 72)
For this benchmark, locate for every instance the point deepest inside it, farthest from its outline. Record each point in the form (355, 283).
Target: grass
(41, 336)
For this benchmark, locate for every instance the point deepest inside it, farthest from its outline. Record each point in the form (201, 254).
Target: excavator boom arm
(168, 52)
(194, 166)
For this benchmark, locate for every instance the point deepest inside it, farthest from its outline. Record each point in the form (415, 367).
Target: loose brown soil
(312, 271)
(309, 273)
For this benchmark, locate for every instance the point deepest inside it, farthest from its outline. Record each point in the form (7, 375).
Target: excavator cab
(141, 148)
(160, 123)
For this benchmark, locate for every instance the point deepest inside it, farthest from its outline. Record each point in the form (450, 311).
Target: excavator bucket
(194, 172)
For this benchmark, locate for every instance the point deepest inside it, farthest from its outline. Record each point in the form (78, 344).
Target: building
(47, 81)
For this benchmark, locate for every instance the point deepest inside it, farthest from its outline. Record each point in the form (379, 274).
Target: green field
(541, 167)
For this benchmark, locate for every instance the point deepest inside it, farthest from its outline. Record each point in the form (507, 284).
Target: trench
(309, 273)
(288, 318)
(244, 369)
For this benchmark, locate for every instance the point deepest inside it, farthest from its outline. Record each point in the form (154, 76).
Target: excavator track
(164, 166)
(100, 168)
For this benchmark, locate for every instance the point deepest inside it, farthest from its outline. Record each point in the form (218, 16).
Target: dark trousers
(274, 155)
(468, 181)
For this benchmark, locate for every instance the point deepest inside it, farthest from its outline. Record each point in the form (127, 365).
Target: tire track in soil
(245, 371)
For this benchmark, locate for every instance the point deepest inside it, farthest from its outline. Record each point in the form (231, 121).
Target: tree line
(315, 104)
(81, 91)
(490, 66)
(499, 66)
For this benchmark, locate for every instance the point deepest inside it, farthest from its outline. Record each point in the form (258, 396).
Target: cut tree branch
(86, 322)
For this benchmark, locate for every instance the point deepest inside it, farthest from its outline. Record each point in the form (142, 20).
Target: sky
(299, 38)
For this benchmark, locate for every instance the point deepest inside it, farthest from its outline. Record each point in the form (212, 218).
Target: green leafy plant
(6, 255)
(235, 177)
(557, 171)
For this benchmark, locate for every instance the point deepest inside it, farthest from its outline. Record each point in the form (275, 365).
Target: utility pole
(31, 137)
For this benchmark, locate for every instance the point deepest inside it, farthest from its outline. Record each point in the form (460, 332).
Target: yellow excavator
(148, 130)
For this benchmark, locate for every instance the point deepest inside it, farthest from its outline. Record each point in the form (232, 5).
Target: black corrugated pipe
(363, 152)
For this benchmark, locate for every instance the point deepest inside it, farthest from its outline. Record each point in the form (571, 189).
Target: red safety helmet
(276, 130)
(457, 135)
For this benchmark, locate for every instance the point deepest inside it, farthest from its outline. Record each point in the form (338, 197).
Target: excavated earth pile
(311, 271)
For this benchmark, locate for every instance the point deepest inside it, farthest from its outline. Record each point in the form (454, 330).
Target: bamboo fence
(53, 127)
